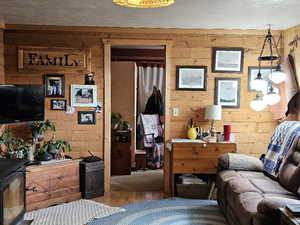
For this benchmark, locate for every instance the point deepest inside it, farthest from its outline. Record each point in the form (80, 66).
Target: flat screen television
(21, 103)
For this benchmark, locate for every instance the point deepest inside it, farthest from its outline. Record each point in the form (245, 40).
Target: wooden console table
(197, 158)
(51, 184)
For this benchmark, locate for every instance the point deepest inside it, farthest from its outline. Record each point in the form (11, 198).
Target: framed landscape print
(192, 78)
(253, 71)
(227, 92)
(228, 60)
(58, 104)
(55, 85)
(86, 117)
(83, 95)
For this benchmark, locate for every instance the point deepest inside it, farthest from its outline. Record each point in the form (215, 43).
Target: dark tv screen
(21, 103)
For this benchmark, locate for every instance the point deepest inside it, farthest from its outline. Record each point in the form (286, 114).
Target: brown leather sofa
(247, 196)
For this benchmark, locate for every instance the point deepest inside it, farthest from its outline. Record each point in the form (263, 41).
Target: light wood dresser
(197, 158)
(52, 184)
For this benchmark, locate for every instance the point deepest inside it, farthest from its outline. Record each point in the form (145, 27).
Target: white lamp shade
(278, 77)
(258, 104)
(272, 98)
(259, 84)
(213, 112)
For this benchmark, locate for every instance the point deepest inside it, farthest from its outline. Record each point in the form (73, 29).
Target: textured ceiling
(225, 14)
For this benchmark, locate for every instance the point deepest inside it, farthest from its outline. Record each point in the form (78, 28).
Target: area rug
(73, 213)
(174, 211)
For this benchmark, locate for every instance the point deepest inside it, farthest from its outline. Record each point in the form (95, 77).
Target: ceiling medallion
(144, 3)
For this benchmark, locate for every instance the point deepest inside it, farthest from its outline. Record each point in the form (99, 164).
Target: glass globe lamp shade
(277, 76)
(259, 84)
(258, 104)
(271, 98)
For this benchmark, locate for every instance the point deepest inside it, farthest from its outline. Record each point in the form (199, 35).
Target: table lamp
(213, 112)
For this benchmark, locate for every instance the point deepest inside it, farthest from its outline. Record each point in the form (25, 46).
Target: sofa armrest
(269, 206)
(233, 161)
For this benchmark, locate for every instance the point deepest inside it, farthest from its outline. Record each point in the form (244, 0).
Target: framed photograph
(227, 92)
(253, 71)
(83, 95)
(228, 60)
(58, 104)
(55, 85)
(191, 78)
(86, 117)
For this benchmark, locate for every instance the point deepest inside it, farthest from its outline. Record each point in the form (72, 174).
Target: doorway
(107, 101)
(137, 81)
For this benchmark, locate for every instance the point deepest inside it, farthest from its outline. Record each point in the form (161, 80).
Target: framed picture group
(80, 96)
(226, 89)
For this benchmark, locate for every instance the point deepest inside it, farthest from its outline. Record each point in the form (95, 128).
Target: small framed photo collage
(81, 95)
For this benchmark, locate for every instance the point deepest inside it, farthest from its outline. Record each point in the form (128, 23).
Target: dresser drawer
(205, 166)
(201, 151)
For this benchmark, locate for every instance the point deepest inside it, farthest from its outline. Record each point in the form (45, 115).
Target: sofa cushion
(268, 185)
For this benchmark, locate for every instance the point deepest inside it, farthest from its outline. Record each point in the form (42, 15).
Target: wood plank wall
(190, 47)
(290, 35)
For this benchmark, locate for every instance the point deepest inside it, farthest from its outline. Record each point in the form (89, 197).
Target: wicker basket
(197, 191)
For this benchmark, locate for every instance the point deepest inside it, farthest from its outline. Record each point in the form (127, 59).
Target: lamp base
(212, 129)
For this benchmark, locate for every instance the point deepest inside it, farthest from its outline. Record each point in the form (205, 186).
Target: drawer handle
(204, 145)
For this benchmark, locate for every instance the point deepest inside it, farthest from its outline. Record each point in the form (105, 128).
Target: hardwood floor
(125, 198)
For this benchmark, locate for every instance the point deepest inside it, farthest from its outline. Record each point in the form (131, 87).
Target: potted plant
(117, 123)
(11, 146)
(41, 154)
(115, 119)
(123, 125)
(57, 147)
(38, 129)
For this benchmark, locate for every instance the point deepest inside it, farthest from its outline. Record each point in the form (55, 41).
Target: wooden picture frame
(86, 117)
(58, 104)
(227, 60)
(54, 85)
(83, 95)
(253, 71)
(191, 78)
(227, 92)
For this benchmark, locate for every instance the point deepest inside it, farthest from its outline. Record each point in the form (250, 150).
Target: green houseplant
(38, 129)
(53, 149)
(11, 146)
(117, 123)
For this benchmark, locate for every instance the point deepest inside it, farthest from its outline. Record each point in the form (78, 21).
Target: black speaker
(92, 179)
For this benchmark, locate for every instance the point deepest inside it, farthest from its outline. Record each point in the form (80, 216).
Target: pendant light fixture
(144, 3)
(258, 104)
(271, 97)
(259, 84)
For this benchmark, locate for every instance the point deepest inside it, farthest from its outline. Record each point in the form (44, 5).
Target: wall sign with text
(46, 58)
